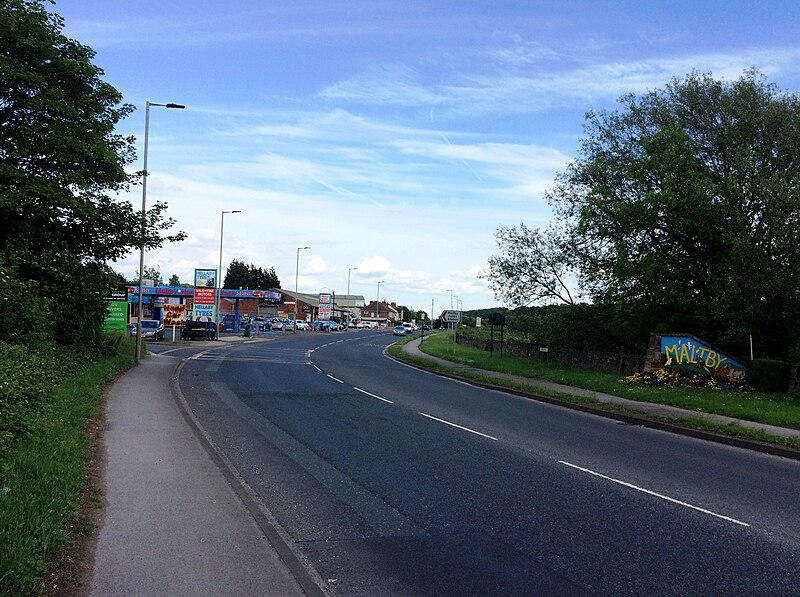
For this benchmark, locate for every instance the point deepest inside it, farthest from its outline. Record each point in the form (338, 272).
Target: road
(391, 481)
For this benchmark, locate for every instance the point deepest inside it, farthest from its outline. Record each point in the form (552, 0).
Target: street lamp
(219, 272)
(349, 312)
(377, 302)
(349, 269)
(144, 218)
(296, 276)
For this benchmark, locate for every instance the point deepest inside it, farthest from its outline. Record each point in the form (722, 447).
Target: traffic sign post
(451, 316)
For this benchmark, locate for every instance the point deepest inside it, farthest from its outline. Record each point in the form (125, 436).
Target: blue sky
(390, 137)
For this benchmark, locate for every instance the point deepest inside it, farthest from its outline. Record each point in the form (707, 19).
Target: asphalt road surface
(391, 481)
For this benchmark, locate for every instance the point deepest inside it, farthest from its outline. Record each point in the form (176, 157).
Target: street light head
(176, 106)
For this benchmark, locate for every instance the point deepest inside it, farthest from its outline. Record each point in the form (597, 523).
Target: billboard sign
(205, 281)
(116, 317)
(325, 306)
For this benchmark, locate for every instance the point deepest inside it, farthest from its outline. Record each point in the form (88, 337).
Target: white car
(410, 327)
(302, 324)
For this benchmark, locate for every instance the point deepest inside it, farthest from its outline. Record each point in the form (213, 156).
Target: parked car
(399, 331)
(302, 324)
(152, 329)
(281, 324)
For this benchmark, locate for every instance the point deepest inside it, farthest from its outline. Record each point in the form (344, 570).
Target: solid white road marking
(334, 379)
(459, 427)
(654, 494)
(315, 367)
(373, 395)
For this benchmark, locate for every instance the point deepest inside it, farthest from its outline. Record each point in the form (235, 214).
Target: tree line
(680, 214)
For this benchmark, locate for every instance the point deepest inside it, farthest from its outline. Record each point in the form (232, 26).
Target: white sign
(451, 316)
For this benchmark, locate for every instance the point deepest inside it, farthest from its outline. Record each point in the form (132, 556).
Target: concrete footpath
(173, 525)
(646, 408)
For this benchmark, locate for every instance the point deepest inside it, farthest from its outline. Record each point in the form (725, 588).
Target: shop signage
(205, 281)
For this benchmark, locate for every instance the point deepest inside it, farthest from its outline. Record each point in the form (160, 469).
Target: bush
(25, 317)
(769, 375)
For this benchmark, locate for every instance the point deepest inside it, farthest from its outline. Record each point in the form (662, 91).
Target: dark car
(152, 329)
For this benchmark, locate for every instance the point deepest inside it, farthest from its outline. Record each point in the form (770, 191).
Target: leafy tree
(60, 164)
(238, 276)
(684, 210)
(174, 280)
(241, 275)
(532, 266)
(265, 279)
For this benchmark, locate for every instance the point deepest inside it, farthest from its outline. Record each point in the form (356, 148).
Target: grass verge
(774, 409)
(43, 478)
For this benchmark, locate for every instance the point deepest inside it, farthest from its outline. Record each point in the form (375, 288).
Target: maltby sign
(687, 352)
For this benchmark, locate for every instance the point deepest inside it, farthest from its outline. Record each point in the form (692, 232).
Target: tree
(684, 210)
(60, 164)
(265, 279)
(241, 275)
(174, 280)
(532, 266)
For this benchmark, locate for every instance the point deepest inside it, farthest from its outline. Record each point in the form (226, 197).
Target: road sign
(451, 316)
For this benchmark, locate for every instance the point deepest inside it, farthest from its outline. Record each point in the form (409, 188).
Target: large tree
(61, 166)
(684, 210)
(532, 267)
(242, 275)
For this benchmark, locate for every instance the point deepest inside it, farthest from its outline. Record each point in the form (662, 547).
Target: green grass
(43, 476)
(776, 409)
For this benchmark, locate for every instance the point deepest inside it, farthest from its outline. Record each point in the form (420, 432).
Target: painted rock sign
(687, 352)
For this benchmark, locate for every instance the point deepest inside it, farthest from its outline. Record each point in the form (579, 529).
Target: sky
(392, 138)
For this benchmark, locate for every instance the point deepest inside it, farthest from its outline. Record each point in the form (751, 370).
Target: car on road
(302, 324)
(399, 330)
(410, 327)
(152, 329)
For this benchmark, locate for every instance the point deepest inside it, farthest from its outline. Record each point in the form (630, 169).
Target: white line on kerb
(459, 427)
(334, 379)
(373, 395)
(654, 494)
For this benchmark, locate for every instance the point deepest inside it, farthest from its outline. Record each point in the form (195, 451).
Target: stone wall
(611, 362)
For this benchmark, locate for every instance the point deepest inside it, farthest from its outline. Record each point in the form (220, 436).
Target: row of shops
(174, 305)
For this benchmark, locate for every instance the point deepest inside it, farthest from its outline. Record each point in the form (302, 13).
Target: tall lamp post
(296, 276)
(377, 304)
(349, 313)
(219, 272)
(349, 269)
(144, 218)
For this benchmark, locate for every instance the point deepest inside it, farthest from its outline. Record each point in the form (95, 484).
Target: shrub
(769, 375)
(675, 377)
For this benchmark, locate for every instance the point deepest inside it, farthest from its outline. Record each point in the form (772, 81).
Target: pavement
(176, 520)
(173, 522)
